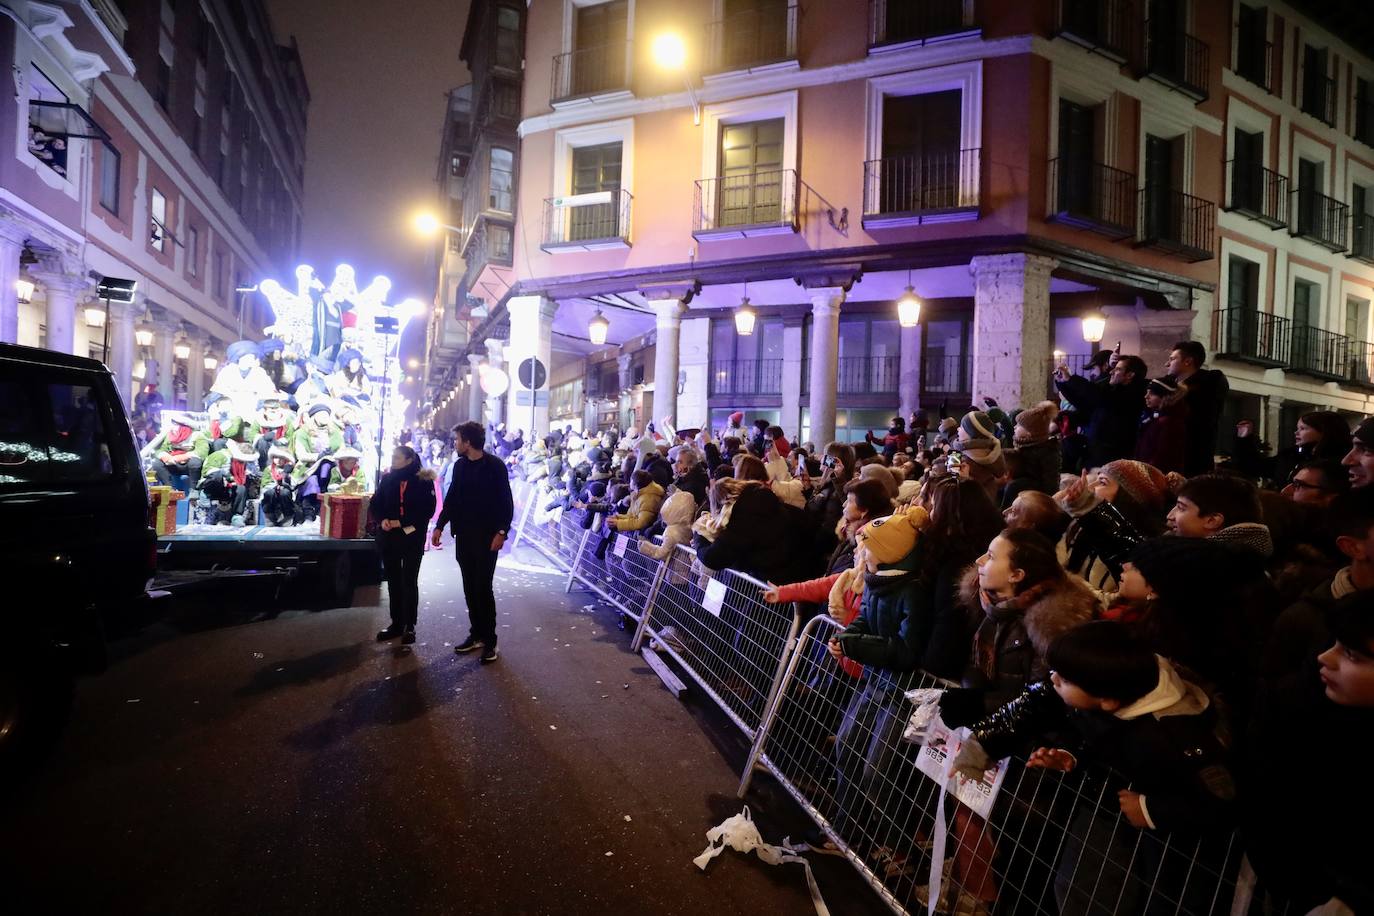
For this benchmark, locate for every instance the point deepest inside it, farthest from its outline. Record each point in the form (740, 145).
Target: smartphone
(829, 461)
(954, 459)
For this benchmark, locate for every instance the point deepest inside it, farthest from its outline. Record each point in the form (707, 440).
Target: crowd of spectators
(1101, 587)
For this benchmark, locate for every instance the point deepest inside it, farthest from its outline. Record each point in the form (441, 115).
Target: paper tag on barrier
(620, 540)
(714, 597)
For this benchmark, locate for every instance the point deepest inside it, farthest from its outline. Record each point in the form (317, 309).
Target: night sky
(377, 71)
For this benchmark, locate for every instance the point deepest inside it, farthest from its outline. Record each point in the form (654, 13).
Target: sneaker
(390, 632)
(489, 654)
(467, 645)
(408, 636)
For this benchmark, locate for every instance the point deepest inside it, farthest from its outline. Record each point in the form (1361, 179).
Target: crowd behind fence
(855, 753)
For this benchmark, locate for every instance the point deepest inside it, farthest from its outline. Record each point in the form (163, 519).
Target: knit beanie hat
(986, 451)
(737, 418)
(892, 538)
(1177, 568)
(976, 425)
(1144, 483)
(947, 429)
(1033, 423)
(883, 476)
(1164, 386)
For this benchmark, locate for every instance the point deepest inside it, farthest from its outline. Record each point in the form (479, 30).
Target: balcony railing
(1178, 60)
(587, 222)
(899, 21)
(1362, 237)
(945, 374)
(1359, 364)
(1257, 192)
(1322, 354)
(1319, 96)
(1251, 336)
(598, 70)
(746, 376)
(1320, 218)
(737, 206)
(1093, 196)
(921, 185)
(1364, 117)
(1101, 25)
(752, 38)
(868, 375)
(1255, 62)
(1177, 222)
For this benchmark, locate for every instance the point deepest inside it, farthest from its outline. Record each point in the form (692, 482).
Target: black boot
(408, 636)
(392, 632)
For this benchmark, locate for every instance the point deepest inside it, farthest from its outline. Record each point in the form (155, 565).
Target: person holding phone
(402, 507)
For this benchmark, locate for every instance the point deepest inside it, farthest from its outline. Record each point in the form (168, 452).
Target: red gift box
(343, 516)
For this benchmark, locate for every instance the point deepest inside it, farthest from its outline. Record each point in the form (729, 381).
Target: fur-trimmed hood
(1061, 608)
(426, 474)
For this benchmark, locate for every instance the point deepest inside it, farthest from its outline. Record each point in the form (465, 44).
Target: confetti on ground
(553, 728)
(281, 669)
(257, 655)
(627, 818)
(133, 701)
(610, 854)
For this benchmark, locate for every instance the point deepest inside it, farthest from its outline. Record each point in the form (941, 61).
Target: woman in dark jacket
(761, 536)
(402, 508)
(826, 505)
(1319, 434)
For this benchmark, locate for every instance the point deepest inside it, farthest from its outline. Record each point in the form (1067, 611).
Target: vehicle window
(23, 452)
(80, 447)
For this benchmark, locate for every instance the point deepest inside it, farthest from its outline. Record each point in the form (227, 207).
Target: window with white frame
(159, 214)
(46, 146)
(109, 178)
(192, 252)
(749, 164)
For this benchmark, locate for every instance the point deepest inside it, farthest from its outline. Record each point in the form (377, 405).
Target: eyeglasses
(1304, 485)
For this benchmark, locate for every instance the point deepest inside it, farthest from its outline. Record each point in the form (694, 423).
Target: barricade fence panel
(716, 625)
(1024, 840)
(612, 565)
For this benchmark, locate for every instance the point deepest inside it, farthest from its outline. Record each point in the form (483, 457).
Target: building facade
(151, 141)
(1017, 165)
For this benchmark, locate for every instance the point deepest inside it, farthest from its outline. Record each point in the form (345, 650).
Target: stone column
(63, 283)
(495, 413)
(475, 388)
(164, 338)
(623, 364)
(694, 346)
(666, 357)
(825, 361)
(531, 335)
(195, 373)
(123, 316)
(791, 377)
(909, 378)
(1160, 329)
(12, 238)
(1011, 328)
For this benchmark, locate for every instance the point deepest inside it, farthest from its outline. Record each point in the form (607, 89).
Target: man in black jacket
(1207, 391)
(479, 507)
(1113, 408)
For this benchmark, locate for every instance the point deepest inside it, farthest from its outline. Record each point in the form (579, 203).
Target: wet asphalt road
(237, 762)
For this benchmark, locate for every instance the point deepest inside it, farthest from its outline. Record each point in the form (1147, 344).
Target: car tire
(35, 700)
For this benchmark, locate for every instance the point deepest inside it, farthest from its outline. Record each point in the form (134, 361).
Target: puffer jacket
(1009, 645)
(1040, 466)
(762, 537)
(892, 628)
(842, 600)
(643, 510)
(677, 514)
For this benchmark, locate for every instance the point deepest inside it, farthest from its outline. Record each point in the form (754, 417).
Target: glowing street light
(909, 309)
(597, 328)
(143, 337)
(182, 351)
(428, 225)
(414, 363)
(1094, 326)
(669, 53)
(744, 318)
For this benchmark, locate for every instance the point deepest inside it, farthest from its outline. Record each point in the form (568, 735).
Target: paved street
(233, 763)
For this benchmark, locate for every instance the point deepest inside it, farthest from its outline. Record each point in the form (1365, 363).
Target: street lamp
(670, 54)
(909, 309)
(95, 317)
(23, 290)
(744, 318)
(211, 363)
(1094, 326)
(143, 337)
(182, 351)
(597, 328)
(428, 225)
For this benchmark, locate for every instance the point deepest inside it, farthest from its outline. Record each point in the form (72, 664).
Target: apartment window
(109, 178)
(599, 37)
(1305, 305)
(945, 362)
(1361, 223)
(1160, 156)
(508, 37)
(498, 242)
(159, 213)
(920, 165)
(596, 169)
(501, 185)
(1356, 318)
(1247, 175)
(1242, 289)
(203, 32)
(1240, 322)
(1364, 111)
(1318, 88)
(750, 191)
(1252, 45)
(192, 252)
(746, 365)
(1077, 142)
(1310, 198)
(49, 146)
(752, 32)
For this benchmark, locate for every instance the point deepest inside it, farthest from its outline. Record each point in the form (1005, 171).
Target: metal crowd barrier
(1027, 841)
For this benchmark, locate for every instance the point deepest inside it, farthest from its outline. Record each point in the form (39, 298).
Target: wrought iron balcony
(740, 206)
(1103, 26)
(746, 376)
(868, 375)
(1255, 62)
(1364, 116)
(1251, 336)
(893, 22)
(1257, 192)
(590, 72)
(1178, 223)
(587, 222)
(1359, 365)
(1321, 354)
(945, 374)
(1362, 237)
(1320, 218)
(1178, 60)
(1093, 196)
(752, 38)
(1319, 96)
(921, 187)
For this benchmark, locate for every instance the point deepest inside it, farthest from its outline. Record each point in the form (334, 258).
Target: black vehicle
(76, 549)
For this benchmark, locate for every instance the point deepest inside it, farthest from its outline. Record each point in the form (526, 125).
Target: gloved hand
(960, 706)
(972, 761)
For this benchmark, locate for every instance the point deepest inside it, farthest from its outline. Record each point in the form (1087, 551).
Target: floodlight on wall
(95, 317)
(1094, 326)
(23, 289)
(597, 328)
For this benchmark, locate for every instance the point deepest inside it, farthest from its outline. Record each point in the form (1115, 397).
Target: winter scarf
(179, 435)
(1002, 611)
(1251, 536)
(1172, 696)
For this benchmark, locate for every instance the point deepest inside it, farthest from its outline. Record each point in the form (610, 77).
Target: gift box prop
(344, 515)
(162, 509)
